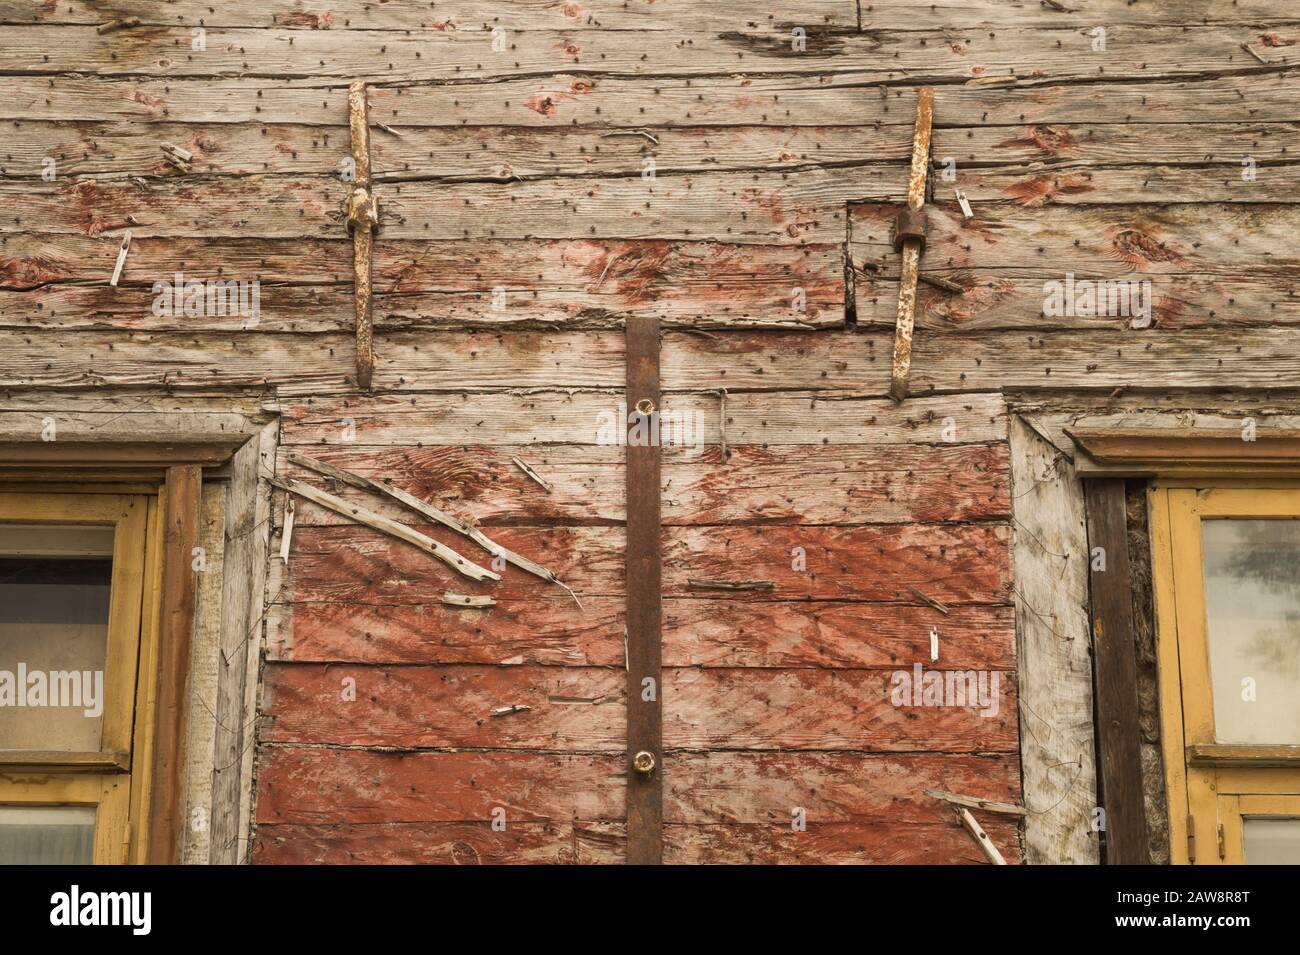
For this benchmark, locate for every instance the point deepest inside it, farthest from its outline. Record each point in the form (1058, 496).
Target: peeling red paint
(541, 104)
(1040, 190)
(316, 21)
(571, 10)
(1274, 40)
(1138, 246)
(1047, 139)
(156, 103)
(634, 270)
(19, 273)
(976, 300)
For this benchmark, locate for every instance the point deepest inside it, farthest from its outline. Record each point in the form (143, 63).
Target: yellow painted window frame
(1210, 786)
(115, 779)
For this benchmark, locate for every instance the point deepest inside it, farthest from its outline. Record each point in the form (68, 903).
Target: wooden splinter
(911, 245)
(361, 213)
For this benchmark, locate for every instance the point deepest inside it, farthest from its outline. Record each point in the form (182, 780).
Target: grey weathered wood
(564, 99)
(240, 636)
(1055, 670)
(200, 716)
(1136, 52)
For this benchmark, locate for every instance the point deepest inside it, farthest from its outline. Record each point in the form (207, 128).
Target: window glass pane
(1252, 609)
(1272, 841)
(47, 835)
(54, 599)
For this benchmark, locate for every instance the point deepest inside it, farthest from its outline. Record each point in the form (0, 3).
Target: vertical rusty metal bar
(912, 247)
(362, 216)
(645, 770)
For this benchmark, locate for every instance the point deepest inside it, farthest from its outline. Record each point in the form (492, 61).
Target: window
(1226, 567)
(78, 580)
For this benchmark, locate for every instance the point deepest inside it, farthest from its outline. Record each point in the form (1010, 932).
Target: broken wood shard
(361, 214)
(981, 837)
(729, 584)
(286, 535)
(121, 258)
(972, 802)
(507, 710)
(466, 600)
(928, 600)
(435, 514)
(112, 25)
(531, 473)
(380, 523)
(911, 247)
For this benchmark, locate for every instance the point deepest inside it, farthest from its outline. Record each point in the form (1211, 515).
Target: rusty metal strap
(645, 770)
(909, 236)
(361, 214)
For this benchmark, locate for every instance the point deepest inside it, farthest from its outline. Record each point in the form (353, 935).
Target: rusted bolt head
(645, 407)
(644, 762)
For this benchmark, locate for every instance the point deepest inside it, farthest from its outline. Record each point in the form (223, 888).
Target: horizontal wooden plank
(661, 15)
(568, 283)
(583, 709)
(818, 709)
(354, 563)
(752, 419)
(1227, 241)
(952, 563)
(876, 843)
(1260, 357)
(541, 629)
(1016, 299)
(738, 787)
(1136, 51)
(710, 632)
(831, 484)
(1106, 360)
(467, 15)
(472, 843)
(108, 150)
(697, 632)
(314, 785)
(1081, 184)
(578, 98)
(418, 707)
(432, 843)
(322, 786)
(766, 207)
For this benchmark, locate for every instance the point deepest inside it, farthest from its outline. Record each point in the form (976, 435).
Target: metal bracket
(909, 236)
(361, 215)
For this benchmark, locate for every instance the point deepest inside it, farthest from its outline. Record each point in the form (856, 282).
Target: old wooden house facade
(531, 433)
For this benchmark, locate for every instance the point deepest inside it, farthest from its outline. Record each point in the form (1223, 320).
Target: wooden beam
(645, 768)
(1244, 756)
(134, 454)
(57, 761)
(1119, 732)
(180, 533)
(1163, 450)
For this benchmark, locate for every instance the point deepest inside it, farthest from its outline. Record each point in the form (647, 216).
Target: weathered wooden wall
(522, 170)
